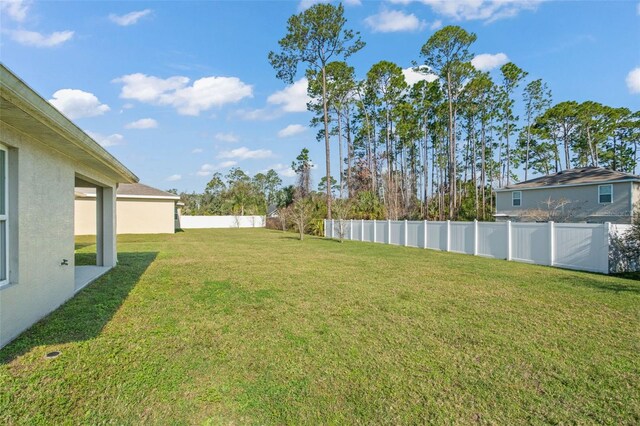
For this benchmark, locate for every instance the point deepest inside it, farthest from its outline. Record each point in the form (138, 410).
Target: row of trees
(237, 193)
(438, 148)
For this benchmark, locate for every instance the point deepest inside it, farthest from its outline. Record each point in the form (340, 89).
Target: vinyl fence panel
(414, 234)
(437, 235)
(462, 237)
(582, 246)
(530, 243)
(397, 232)
(200, 222)
(381, 231)
(369, 230)
(492, 239)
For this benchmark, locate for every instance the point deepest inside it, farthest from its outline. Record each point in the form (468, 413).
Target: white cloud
(260, 114)
(143, 123)
(638, 9)
(15, 9)
(291, 130)
(388, 21)
(487, 61)
(205, 170)
(107, 141)
(412, 77)
(245, 153)
(149, 89)
(226, 164)
(435, 25)
(292, 98)
(36, 39)
(129, 18)
(306, 4)
(208, 169)
(282, 169)
(227, 137)
(197, 150)
(174, 178)
(482, 10)
(202, 95)
(353, 2)
(633, 81)
(77, 104)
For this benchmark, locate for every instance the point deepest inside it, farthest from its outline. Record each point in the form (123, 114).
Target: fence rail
(580, 246)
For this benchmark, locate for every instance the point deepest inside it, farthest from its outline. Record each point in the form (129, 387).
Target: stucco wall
(584, 202)
(135, 216)
(42, 194)
(85, 216)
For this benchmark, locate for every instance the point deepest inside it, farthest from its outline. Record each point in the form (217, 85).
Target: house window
(4, 218)
(516, 198)
(605, 194)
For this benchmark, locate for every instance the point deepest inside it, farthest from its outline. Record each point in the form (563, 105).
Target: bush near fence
(578, 246)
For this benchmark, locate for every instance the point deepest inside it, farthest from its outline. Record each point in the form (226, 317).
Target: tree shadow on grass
(84, 316)
(628, 275)
(604, 285)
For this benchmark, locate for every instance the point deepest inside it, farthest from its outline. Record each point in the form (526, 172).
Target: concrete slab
(85, 275)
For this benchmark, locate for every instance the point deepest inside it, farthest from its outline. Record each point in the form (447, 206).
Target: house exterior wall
(41, 193)
(135, 216)
(584, 206)
(85, 216)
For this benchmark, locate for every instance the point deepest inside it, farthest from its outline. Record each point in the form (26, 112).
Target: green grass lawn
(256, 327)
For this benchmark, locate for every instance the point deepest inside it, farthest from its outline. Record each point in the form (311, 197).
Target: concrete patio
(85, 275)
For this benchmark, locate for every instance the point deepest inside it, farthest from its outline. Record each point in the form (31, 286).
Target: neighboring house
(587, 194)
(141, 209)
(43, 157)
(273, 211)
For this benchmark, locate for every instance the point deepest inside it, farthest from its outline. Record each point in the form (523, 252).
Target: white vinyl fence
(197, 222)
(568, 245)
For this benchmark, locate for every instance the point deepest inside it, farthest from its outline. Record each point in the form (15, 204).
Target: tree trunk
(526, 162)
(340, 152)
(425, 166)
(349, 155)
(483, 178)
(452, 151)
(565, 138)
(508, 152)
(326, 139)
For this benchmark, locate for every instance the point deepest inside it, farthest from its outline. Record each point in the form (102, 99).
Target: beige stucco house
(43, 158)
(587, 194)
(141, 209)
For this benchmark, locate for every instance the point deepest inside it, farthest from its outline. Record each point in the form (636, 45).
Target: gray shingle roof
(583, 175)
(131, 190)
(142, 189)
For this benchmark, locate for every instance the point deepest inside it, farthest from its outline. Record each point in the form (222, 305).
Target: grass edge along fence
(579, 246)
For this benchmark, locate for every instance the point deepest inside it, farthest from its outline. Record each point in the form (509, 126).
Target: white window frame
(610, 193)
(513, 199)
(5, 218)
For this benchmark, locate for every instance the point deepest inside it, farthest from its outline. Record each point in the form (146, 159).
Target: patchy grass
(253, 326)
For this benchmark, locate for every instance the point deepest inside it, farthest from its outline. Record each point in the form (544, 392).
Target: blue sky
(179, 90)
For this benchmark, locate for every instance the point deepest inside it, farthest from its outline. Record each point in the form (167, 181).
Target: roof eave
(602, 182)
(25, 98)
